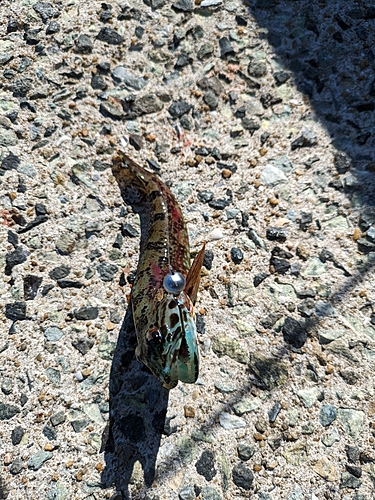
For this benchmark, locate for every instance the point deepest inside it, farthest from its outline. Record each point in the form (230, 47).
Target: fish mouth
(181, 351)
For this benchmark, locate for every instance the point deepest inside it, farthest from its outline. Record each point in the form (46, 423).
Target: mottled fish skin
(164, 323)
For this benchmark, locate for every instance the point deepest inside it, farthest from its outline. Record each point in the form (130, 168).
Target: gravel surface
(260, 117)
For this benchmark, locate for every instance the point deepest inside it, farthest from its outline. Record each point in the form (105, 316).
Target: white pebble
(215, 235)
(62, 139)
(79, 376)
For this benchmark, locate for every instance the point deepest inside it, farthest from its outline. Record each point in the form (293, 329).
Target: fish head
(172, 349)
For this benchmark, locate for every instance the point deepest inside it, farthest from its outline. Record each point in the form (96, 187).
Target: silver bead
(174, 283)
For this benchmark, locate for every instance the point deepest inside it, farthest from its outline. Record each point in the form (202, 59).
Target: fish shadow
(138, 405)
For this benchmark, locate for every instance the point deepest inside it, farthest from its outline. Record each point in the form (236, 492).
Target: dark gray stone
(83, 345)
(49, 433)
(307, 307)
(236, 255)
(107, 271)
(276, 234)
(349, 481)
(10, 162)
(226, 48)
(79, 425)
(183, 5)
(17, 435)
(293, 332)
(69, 284)
(31, 284)
(242, 476)
(44, 9)
(257, 68)
(250, 124)
(86, 313)
(205, 465)
(147, 104)
(210, 99)
(110, 36)
(271, 372)
(12, 259)
(58, 418)
(129, 231)
(245, 451)
(274, 411)
(306, 140)
(352, 452)
(208, 259)
(199, 322)
(98, 82)
(17, 466)
(179, 108)
(52, 28)
(281, 266)
(15, 311)
(205, 196)
(84, 44)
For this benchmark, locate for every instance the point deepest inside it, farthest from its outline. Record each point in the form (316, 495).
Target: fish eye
(174, 283)
(155, 335)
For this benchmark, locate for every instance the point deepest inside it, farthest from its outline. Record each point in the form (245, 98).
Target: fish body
(164, 321)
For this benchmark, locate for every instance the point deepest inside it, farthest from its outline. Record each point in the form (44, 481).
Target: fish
(166, 284)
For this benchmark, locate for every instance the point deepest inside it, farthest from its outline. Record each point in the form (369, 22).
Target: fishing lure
(166, 285)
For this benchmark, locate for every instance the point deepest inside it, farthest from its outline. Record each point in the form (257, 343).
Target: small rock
(31, 284)
(229, 422)
(58, 418)
(84, 44)
(245, 451)
(226, 48)
(36, 461)
(327, 415)
(86, 313)
(259, 278)
(186, 493)
(246, 405)
(325, 309)
(12, 259)
(17, 466)
(276, 234)
(307, 307)
(79, 425)
(349, 481)
(15, 311)
(272, 176)
(205, 196)
(59, 272)
(83, 345)
(236, 255)
(111, 110)
(183, 5)
(205, 466)
(110, 36)
(53, 333)
(208, 259)
(308, 396)
(294, 333)
(66, 242)
(306, 139)
(271, 372)
(224, 345)
(17, 435)
(147, 104)
(326, 469)
(44, 9)
(54, 376)
(107, 271)
(352, 421)
(127, 230)
(242, 476)
(52, 28)
(352, 452)
(208, 493)
(274, 411)
(342, 162)
(179, 108)
(280, 266)
(210, 99)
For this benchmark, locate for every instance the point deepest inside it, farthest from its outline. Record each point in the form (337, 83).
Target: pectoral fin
(194, 275)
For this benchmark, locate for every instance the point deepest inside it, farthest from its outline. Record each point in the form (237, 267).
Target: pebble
(53, 333)
(17, 466)
(179, 108)
(328, 414)
(36, 461)
(242, 476)
(224, 345)
(309, 396)
(209, 493)
(83, 345)
(110, 36)
(107, 271)
(57, 419)
(215, 235)
(229, 422)
(294, 333)
(186, 493)
(270, 371)
(352, 421)
(17, 435)
(245, 451)
(236, 255)
(326, 469)
(84, 44)
(86, 313)
(205, 465)
(246, 405)
(274, 412)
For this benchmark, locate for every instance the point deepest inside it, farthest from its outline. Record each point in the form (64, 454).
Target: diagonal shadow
(327, 49)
